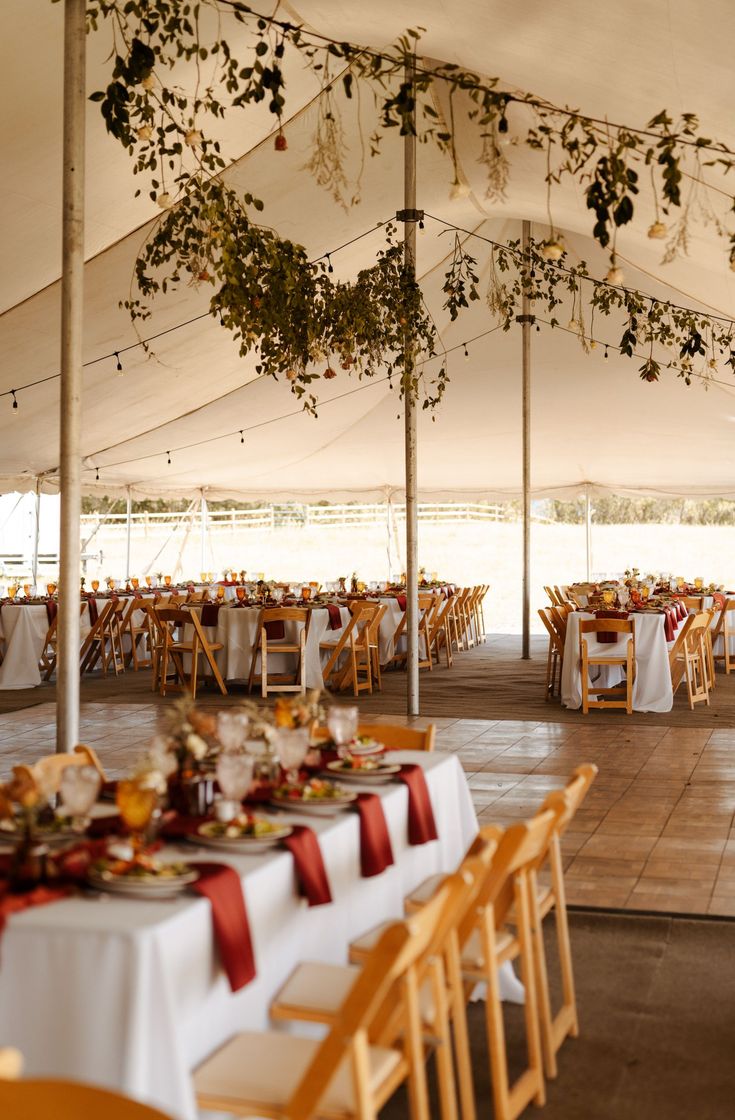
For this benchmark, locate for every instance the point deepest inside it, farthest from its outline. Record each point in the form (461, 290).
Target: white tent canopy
(594, 422)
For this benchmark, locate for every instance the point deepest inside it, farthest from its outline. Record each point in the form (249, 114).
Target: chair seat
(316, 991)
(424, 891)
(187, 647)
(473, 959)
(316, 987)
(266, 1067)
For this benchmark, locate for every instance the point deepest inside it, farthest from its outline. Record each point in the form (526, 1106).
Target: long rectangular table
(129, 994)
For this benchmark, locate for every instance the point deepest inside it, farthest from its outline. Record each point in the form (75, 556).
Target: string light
(242, 437)
(329, 263)
(605, 355)
(169, 457)
(466, 352)
(169, 330)
(97, 475)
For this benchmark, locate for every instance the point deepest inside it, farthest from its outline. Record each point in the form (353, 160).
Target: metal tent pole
(36, 532)
(409, 217)
(203, 566)
(526, 319)
(129, 526)
(72, 313)
(588, 530)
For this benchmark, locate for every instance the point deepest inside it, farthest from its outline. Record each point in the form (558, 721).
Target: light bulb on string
(242, 438)
(330, 267)
(466, 352)
(169, 457)
(97, 475)
(605, 351)
(15, 399)
(119, 363)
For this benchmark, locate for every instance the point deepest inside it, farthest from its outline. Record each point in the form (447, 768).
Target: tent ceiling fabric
(594, 422)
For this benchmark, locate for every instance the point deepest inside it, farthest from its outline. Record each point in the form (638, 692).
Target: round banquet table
(652, 690)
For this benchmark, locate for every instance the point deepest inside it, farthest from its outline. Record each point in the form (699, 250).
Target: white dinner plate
(143, 888)
(322, 808)
(243, 844)
(384, 773)
(365, 749)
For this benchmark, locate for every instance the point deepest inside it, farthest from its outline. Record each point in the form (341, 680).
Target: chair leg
(542, 980)
(264, 667)
(458, 1011)
(443, 1052)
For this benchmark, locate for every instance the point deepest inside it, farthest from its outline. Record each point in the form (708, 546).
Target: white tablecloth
(129, 995)
(652, 691)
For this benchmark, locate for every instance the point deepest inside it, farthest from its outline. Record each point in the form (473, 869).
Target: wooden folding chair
(139, 631)
(175, 648)
(394, 737)
(721, 631)
(552, 596)
(285, 682)
(374, 1044)
(440, 637)
(622, 626)
(49, 653)
(349, 653)
(51, 1097)
(555, 656)
(692, 602)
(103, 643)
(373, 639)
(695, 660)
(315, 991)
(677, 661)
(555, 1028)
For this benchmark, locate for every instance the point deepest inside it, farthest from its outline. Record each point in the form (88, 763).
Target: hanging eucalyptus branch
(695, 342)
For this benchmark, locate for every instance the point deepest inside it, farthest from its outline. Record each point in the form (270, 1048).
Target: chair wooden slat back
(46, 771)
(695, 659)
(722, 632)
(611, 656)
(284, 682)
(176, 647)
(395, 737)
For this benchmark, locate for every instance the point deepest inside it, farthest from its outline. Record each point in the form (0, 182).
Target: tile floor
(656, 832)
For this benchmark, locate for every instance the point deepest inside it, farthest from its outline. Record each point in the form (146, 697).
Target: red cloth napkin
(719, 600)
(376, 852)
(309, 863)
(221, 885)
(92, 608)
(421, 823)
(51, 609)
(210, 614)
(401, 600)
(609, 635)
(275, 631)
(335, 616)
(227, 583)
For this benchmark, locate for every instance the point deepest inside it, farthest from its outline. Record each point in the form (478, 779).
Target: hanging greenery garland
(265, 289)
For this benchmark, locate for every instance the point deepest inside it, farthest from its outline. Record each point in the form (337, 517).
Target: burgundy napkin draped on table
(221, 885)
(376, 852)
(210, 613)
(92, 608)
(335, 616)
(401, 600)
(309, 864)
(51, 609)
(719, 600)
(421, 823)
(609, 636)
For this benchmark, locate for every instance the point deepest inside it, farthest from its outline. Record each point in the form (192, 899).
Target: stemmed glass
(240, 592)
(79, 788)
(235, 775)
(148, 581)
(95, 585)
(135, 582)
(167, 580)
(50, 589)
(220, 594)
(232, 729)
(342, 721)
(12, 590)
(292, 747)
(27, 590)
(136, 803)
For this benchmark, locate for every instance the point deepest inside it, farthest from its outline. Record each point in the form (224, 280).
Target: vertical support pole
(203, 523)
(72, 315)
(412, 549)
(129, 528)
(36, 532)
(526, 347)
(588, 531)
